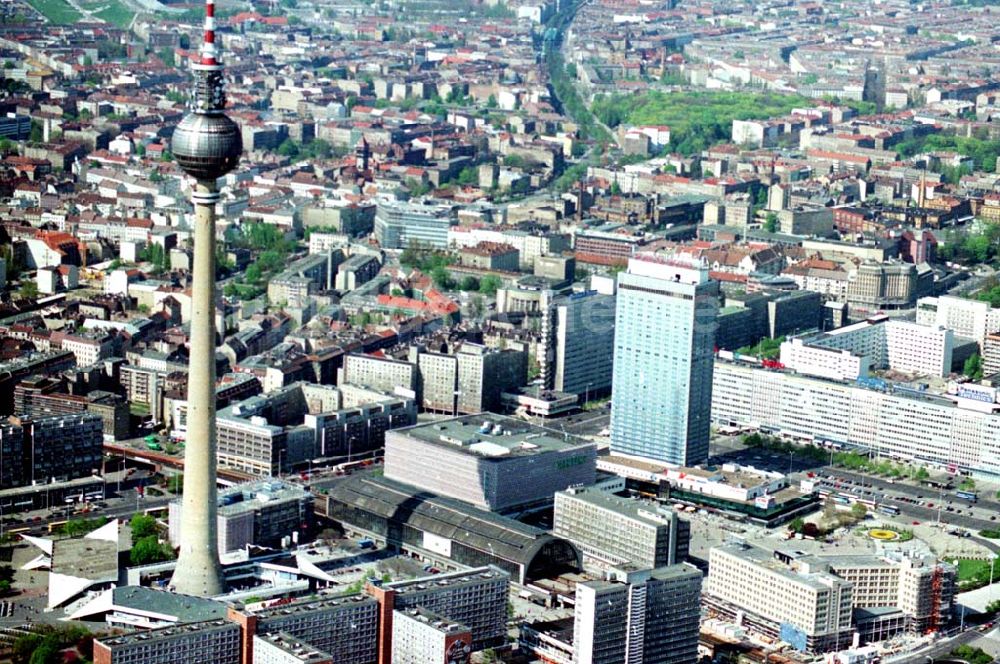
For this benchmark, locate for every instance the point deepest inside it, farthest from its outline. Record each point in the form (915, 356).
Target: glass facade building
(664, 354)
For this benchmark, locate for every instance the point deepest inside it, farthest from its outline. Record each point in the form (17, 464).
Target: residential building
(474, 599)
(664, 343)
(578, 331)
(973, 319)
(991, 354)
(492, 462)
(356, 270)
(646, 617)
(613, 531)
(879, 343)
(216, 641)
(283, 648)
(420, 636)
(491, 256)
(379, 372)
(484, 374)
(344, 627)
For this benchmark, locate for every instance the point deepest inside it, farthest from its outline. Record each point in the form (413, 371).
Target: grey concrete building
(379, 373)
(485, 373)
(579, 336)
(612, 531)
(646, 617)
(216, 641)
(261, 513)
(489, 461)
(356, 270)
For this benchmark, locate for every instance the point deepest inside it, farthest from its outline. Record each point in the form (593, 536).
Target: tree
(859, 510)
(442, 278)
(476, 306)
(28, 290)
(797, 524)
(616, 188)
(143, 525)
(973, 367)
(771, 222)
(489, 285)
(253, 274)
(468, 176)
(288, 148)
(149, 550)
(469, 284)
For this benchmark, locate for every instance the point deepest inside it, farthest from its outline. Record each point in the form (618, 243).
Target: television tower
(206, 145)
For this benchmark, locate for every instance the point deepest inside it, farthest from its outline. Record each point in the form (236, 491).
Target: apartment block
(475, 599)
(851, 352)
(379, 373)
(972, 319)
(613, 531)
(578, 333)
(420, 636)
(283, 648)
(216, 641)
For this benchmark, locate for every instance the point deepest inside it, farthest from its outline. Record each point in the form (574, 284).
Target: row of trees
(981, 148)
(46, 644)
(980, 245)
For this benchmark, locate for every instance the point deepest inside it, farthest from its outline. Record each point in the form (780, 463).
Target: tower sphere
(206, 146)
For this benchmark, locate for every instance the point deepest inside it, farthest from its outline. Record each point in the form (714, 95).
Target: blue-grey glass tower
(664, 354)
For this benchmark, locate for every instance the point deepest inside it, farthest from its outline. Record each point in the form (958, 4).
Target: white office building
(972, 319)
(850, 352)
(895, 421)
(783, 595)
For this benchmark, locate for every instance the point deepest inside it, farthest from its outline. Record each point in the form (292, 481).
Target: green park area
(56, 11)
(697, 120)
(115, 12)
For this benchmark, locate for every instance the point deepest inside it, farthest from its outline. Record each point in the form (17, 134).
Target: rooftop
(454, 579)
(185, 608)
(630, 507)
(491, 435)
(295, 647)
(434, 620)
(175, 631)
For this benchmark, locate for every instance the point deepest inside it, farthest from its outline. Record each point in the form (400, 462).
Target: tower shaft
(198, 571)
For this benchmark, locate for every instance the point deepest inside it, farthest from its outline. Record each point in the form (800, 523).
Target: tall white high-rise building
(664, 353)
